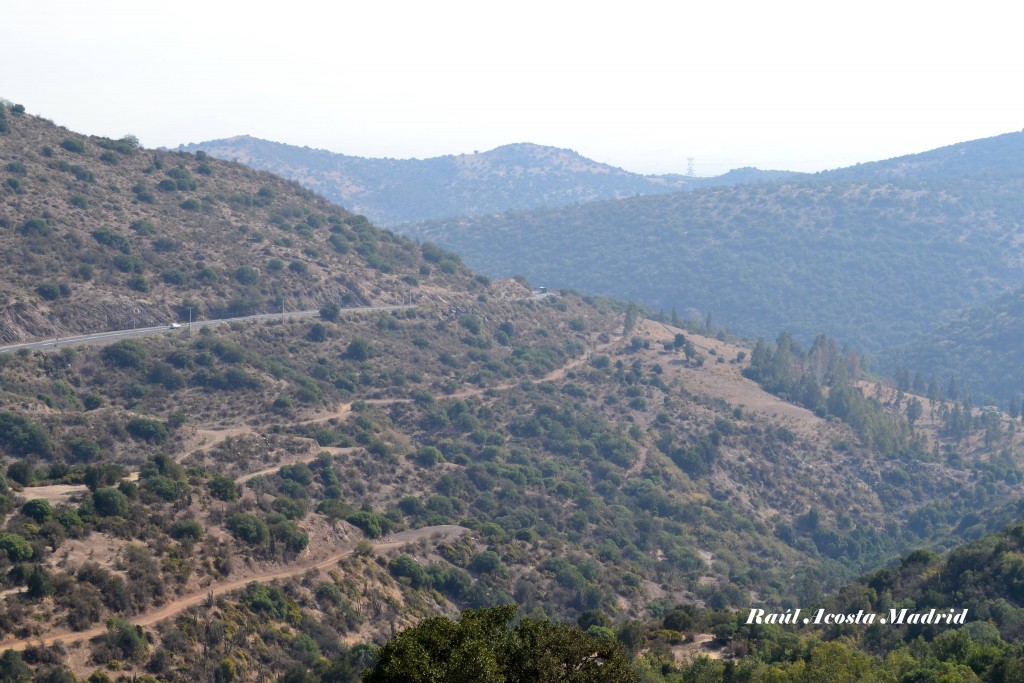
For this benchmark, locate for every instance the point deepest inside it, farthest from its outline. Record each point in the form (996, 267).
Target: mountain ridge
(513, 176)
(871, 259)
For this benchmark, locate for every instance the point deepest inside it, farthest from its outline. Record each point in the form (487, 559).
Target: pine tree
(630, 320)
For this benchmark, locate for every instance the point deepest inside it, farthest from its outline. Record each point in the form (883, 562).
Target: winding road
(115, 335)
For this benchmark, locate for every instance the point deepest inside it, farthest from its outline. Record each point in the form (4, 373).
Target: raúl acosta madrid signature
(822, 617)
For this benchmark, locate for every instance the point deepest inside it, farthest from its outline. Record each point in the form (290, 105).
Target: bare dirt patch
(98, 547)
(724, 380)
(55, 494)
(701, 644)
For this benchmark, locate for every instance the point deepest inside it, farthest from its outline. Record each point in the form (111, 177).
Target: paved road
(106, 337)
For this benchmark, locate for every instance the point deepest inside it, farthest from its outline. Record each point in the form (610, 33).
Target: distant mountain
(519, 176)
(987, 157)
(874, 255)
(983, 347)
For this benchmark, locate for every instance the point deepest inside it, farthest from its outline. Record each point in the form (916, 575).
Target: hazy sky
(641, 84)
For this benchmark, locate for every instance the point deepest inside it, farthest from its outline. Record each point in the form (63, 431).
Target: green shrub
(428, 456)
(37, 509)
(208, 275)
(223, 488)
(293, 538)
(138, 283)
(370, 523)
(34, 226)
(126, 353)
(330, 311)
(174, 276)
(109, 238)
(182, 177)
(143, 193)
(21, 436)
(126, 639)
(299, 472)
(143, 227)
(247, 275)
(359, 350)
(188, 529)
(50, 291)
(127, 263)
(146, 429)
(83, 449)
(110, 502)
(15, 547)
(405, 567)
(486, 562)
(165, 244)
(72, 145)
(317, 333)
(248, 528)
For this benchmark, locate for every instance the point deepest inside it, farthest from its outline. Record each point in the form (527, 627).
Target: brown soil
(701, 645)
(334, 450)
(54, 494)
(724, 380)
(441, 533)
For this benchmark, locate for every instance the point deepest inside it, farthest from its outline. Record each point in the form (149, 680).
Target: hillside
(241, 501)
(98, 234)
(874, 262)
(517, 176)
(981, 348)
(995, 156)
(886, 633)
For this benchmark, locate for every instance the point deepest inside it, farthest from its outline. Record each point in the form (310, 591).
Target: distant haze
(641, 85)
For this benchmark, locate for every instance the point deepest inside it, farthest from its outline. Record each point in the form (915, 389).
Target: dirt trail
(334, 450)
(346, 408)
(211, 438)
(441, 532)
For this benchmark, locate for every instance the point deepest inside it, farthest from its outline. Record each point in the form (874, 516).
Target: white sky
(644, 84)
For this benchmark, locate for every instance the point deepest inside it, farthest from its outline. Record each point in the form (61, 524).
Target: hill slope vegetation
(872, 256)
(261, 500)
(517, 176)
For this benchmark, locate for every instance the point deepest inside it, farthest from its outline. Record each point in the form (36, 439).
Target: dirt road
(441, 532)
